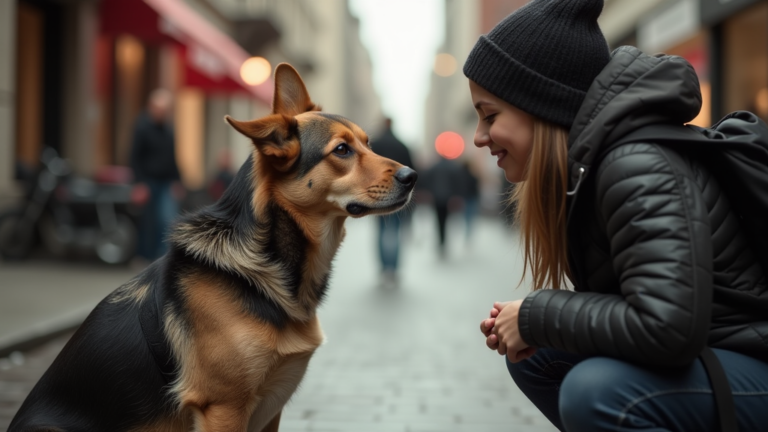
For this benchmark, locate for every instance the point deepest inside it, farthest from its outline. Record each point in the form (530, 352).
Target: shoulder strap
(726, 410)
(665, 134)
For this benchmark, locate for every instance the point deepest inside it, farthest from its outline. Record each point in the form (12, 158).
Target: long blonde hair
(540, 207)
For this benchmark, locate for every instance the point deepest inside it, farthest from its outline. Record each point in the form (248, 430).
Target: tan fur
(235, 371)
(270, 362)
(183, 423)
(131, 291)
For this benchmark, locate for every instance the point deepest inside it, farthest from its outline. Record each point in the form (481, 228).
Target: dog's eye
(342, 149)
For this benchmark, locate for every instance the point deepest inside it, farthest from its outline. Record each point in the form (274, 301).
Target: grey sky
(402, 37)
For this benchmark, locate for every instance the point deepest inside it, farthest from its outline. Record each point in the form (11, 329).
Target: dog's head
(316, 163)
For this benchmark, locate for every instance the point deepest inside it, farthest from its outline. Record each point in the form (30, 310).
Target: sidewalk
(395, 360)
(38, 297)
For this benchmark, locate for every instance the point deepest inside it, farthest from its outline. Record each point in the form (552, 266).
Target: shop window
(695, 51)
(29, 84)
(745, 61)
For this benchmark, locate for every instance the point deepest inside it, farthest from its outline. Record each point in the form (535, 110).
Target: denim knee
(587, 391)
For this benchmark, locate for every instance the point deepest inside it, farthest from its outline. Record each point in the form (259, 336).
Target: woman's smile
(500, 155)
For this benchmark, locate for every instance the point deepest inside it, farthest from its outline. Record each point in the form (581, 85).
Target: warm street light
(255, 70)
(449, 145)
(445, 65)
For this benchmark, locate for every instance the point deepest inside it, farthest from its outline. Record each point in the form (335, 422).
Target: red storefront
(147, 44)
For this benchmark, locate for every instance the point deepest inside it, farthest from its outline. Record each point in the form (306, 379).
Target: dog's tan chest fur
(237, 365)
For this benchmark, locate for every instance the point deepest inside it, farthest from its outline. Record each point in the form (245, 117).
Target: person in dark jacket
(444, 181)
(470, 194)
(389, 146)
(659, 266)
(153, 160)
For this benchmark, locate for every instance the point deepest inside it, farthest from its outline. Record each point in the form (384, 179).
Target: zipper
(571, 258)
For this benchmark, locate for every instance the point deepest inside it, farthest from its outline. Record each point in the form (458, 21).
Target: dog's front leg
(222, 418)
(274, 424)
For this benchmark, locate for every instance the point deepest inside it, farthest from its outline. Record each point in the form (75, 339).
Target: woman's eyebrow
(479, 104)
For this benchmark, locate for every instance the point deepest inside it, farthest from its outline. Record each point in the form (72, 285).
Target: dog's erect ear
(291, 97)
(276, 137)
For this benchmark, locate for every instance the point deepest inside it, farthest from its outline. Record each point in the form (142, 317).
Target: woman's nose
(480, 138)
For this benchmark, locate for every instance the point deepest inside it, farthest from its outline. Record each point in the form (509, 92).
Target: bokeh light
(761, 102)
(449, 145)
(255, 70)
(445, 65)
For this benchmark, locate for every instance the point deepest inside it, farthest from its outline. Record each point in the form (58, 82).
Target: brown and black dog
(216, 335)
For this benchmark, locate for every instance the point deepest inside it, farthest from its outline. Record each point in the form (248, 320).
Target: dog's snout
(406, 176)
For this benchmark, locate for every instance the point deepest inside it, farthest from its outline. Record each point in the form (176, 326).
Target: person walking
(662, 270)
(443, 180)
(470, 186)
(153, 160)
(390, 235)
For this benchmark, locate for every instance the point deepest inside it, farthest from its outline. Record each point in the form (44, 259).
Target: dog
(216, 335)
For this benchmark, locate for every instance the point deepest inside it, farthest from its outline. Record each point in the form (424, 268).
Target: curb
(42, 332)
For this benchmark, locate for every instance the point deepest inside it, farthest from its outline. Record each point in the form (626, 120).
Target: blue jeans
(389, 241)
(156, 220)
(603, 394)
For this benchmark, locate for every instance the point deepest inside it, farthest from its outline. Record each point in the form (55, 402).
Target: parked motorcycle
(68, 214)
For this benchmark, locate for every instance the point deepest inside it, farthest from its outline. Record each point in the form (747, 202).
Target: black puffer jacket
(661, 266)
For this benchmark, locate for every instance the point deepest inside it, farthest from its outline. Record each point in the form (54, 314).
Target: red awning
(212, 59)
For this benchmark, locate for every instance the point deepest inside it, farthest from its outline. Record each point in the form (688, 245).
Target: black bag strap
(663, 134)
(687, 137)
(726, 409)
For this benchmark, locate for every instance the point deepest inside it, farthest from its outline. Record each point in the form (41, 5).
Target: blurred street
(396, 359)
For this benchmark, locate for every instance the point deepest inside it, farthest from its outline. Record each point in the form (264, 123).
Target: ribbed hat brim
(494, 70)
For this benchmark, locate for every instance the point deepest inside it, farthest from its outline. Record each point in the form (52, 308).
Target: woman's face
(507, 131)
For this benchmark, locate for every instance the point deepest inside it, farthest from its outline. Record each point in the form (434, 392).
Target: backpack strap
(664, 134)
(726, 409)
(682, 137)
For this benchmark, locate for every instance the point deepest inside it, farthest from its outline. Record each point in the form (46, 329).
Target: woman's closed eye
(489, 118)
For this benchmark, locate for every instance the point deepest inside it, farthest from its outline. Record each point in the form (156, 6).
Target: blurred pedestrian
(153, 160)
(390, 235)
(661, 264)
(443, 180)
(470, 186)
(225, 174)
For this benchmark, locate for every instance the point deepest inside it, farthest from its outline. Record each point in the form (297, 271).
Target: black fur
(314, 135)
(105, 378)
(113, 374)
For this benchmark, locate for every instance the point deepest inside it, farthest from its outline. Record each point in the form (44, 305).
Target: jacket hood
(633, 90)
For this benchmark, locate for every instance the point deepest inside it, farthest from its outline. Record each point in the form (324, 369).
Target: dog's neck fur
(250, 234)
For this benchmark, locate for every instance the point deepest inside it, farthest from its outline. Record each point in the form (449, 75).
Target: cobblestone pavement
(396, 359)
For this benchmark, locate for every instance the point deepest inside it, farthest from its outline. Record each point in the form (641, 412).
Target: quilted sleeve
(661, 249)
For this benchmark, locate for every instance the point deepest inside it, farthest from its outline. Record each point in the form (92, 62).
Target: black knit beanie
(542, 58)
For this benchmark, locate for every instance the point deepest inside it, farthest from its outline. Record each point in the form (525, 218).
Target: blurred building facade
(75, 74)
(725, 41)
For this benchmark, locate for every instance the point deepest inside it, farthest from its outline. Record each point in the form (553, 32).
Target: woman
(659, 264)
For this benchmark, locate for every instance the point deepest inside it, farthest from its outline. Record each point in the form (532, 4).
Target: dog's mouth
(357, 209)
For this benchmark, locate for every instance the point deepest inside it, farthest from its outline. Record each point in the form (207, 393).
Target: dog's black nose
(406, 176)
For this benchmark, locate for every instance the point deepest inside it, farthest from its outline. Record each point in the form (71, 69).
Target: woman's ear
(275, 137)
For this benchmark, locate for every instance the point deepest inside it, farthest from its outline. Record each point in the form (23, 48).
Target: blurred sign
(715, 11)
(206, 62)
(668, 26)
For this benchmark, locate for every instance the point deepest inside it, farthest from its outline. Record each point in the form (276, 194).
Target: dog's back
(105, 378)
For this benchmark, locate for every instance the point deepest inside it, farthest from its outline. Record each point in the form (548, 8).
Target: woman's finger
(492, 341)
(487, 325)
